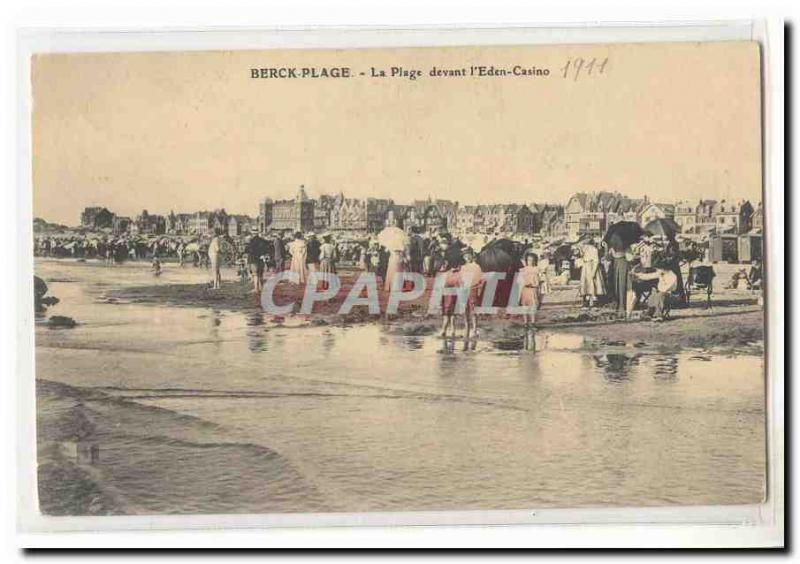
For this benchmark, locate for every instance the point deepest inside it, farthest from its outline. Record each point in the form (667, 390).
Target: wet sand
(89, 440)
(735, 319)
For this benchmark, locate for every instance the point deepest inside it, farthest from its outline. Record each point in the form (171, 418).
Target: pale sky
(190, 131)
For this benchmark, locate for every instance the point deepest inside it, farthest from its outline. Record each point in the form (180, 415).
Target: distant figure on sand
(755, 275)
(257, 250)
(278, 253)
(312, 252)
(592, 284)
(297, 248)
(214, 258)
(544, 276)
(660, 299)
(620, 280)
(180, 250)
(327, 261)
(529, 290)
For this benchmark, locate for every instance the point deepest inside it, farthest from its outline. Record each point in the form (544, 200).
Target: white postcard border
(766, 518)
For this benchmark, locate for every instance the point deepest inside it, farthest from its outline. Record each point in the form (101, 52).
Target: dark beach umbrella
(563, 252)
(259, 247)
(663, 227)
(623, 234)
(453, 254)
(501, 255)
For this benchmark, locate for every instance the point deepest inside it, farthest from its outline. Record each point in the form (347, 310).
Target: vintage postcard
(399, 279)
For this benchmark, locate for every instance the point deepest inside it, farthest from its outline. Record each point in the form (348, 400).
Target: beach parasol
(501, 255)
(452, 254)
(393, 238)
(259, 247)
(663, 227)
(562, 252)
(623, 234)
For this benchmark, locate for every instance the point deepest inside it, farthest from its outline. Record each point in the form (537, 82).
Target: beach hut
(724, 247)
(750, 248)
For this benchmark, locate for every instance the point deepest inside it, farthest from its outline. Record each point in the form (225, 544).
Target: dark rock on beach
(61, 322)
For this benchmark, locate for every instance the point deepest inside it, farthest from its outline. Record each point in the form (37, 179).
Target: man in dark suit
(312, 252)
(257, 251)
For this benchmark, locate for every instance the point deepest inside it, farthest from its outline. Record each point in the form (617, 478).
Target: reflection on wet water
(256, 333)
(254, 319)
(616, 366)
(414, 343)
(360, 419)
(510, 343)
(533, 339)
(666, 367)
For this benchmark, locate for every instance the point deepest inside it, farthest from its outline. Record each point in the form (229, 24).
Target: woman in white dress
(395, 265)
(297, 249)
(592, 284)
(214, 258)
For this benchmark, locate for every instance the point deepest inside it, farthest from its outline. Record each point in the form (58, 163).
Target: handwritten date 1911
(579, 67)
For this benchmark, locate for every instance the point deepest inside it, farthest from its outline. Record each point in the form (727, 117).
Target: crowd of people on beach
(645, 271)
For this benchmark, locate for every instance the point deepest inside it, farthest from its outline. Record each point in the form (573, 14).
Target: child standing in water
(529, 291)
(452, 279)
(470, 274)
(544, 277)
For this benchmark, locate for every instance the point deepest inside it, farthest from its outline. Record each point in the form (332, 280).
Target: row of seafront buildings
(731, 229)
(592, 213)
(586, 213)
(370, 215)
(198, 223)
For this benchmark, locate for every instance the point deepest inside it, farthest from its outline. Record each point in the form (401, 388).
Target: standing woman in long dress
(297, 249)
(214, 258)
(395, 265)
(592, 284)
(621, 277)
(327, 257)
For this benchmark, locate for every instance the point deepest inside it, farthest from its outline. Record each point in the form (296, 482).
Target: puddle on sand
(532, 339)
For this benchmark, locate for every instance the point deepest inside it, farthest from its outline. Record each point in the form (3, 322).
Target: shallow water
(357, 419)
